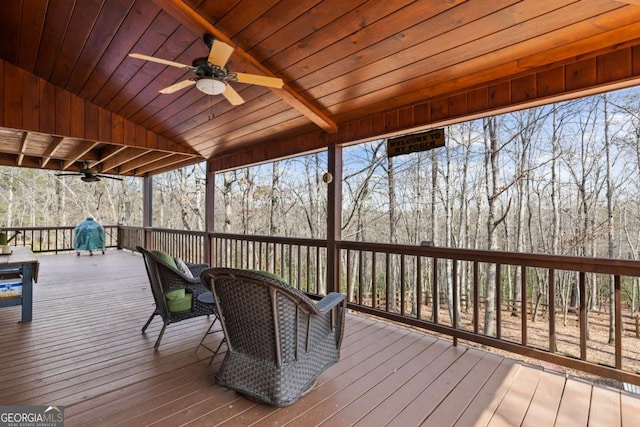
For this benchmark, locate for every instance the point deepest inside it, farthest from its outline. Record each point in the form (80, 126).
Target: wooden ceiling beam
(124, 156)
(22, 147)
(143, 161)
(56, 141)
(106, 153)
(175, 161)
(8, 159)
(190, 18)
(78, 153)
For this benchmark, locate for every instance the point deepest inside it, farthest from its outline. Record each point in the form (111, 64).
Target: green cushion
(179, 300)
(176, 295)
(164, 257)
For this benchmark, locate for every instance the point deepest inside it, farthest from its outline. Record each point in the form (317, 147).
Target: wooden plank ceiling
(72, 97)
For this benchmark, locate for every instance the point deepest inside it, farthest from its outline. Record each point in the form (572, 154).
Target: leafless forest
(558, 179)
(40, 198)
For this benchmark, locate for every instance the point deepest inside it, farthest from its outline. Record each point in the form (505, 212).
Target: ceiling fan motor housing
(90, 178)
(204, 69)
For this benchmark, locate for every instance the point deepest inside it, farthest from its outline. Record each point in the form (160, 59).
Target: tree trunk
(393, 238)
(492, 172)
(610, 227)
(434, 227)
(274, 198)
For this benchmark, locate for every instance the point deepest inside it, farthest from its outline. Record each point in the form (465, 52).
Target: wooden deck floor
(84, 350)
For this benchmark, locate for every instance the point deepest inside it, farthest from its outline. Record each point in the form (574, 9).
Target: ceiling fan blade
(68, 174)
(255, 79)
(177, 86)
(219, 53)
(107, 176)
(232, 96)
(161, 61)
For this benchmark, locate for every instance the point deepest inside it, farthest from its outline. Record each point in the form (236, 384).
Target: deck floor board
(84, 350)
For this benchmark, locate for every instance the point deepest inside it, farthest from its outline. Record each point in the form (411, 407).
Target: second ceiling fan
(211, 73)
(87, 175)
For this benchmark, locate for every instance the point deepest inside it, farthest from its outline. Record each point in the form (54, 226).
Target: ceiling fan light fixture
(211, 86)
(90, 178)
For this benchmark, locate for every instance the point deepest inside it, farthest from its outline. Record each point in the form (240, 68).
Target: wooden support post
(147, 210)
(209, 210)
(334, 214)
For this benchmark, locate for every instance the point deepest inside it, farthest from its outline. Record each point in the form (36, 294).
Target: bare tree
(493, 189)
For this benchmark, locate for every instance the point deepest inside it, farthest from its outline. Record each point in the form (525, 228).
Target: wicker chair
(278, 339)
(164, 278)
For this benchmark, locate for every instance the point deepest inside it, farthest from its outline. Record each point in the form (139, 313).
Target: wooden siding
(37, 107)
(352, 70)
(84, 350)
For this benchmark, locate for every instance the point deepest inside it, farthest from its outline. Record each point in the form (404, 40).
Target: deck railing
(130, 237)
(188, 245)
(54, 239)
(439, 289)
(445, 290)
(301, 262)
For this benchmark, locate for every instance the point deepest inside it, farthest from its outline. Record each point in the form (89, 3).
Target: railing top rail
(559, 262)
(174, 231)
(272, 239)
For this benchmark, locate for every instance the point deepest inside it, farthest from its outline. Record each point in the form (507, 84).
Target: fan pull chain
(211, 115)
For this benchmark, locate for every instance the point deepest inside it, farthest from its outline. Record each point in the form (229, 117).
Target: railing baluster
(523, 304)
(299, 267)
(374, 284)
(217, 254)
(318, 269)
(290, 263)
(387, 280)
(360, 275)
(282, 261)
(498, 309)
(582, 288)
(348, 275)
(454, 289)
(618, 320)
(476, 296)
(308, 267)
(402, 284)
(435, 293)
(552, 311)
(419, 287)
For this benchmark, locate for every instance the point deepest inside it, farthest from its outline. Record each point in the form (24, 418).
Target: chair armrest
(327, 303)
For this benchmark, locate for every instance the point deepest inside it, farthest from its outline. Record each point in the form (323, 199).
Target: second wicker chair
(279, 340)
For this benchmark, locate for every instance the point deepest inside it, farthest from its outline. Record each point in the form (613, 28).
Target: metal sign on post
(415, 142)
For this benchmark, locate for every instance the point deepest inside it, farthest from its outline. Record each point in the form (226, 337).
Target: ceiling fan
(211, 73)
(88, 176)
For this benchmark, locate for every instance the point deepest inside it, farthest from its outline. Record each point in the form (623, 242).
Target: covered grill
(88, 236)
